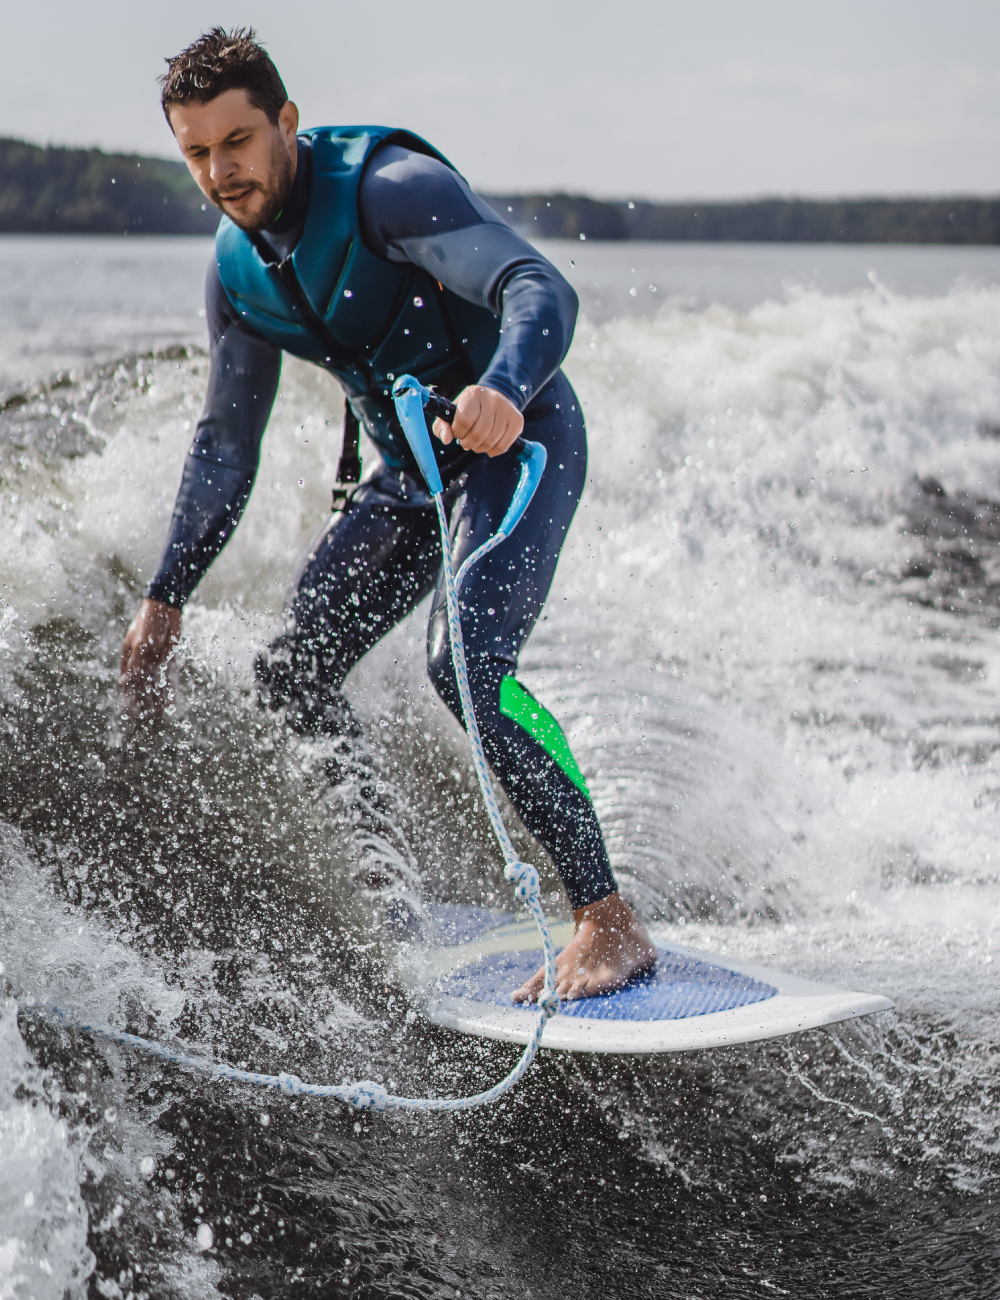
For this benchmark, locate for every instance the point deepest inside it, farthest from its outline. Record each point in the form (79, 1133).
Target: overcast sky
(627, 98)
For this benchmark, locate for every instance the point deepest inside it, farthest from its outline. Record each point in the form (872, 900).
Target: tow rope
(411, 399)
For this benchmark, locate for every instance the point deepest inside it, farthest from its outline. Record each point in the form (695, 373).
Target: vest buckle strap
(349, 468)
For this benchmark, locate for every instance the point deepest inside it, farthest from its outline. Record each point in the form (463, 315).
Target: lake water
(773, 644)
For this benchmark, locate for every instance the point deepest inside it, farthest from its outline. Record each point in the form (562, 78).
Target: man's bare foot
(609, 948)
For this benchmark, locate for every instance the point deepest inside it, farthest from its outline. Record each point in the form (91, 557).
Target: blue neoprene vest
(388, 318)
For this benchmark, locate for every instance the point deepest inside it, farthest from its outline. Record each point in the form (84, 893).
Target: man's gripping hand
(486, 421)
(146, 658)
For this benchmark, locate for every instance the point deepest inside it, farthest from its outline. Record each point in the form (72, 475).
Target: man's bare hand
(147, 658)
(486, 421)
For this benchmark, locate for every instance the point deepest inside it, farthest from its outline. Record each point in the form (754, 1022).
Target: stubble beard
(275, 195)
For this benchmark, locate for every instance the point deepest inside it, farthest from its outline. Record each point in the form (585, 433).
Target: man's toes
(530, 989)
(600, 981)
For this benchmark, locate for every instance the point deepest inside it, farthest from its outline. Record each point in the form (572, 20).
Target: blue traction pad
(678, 988)
(451, 923)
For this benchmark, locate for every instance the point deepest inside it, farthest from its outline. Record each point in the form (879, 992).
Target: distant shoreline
(843, 221)
(948, 221)
(53, 190)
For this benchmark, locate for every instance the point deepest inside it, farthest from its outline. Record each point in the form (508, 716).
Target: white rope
(366, 1094)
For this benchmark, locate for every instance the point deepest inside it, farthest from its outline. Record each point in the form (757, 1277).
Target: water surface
(772, 642)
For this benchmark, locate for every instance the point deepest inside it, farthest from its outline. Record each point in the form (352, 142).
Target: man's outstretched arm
(218, 477)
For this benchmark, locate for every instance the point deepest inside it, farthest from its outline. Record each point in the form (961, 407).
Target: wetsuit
(379, 558)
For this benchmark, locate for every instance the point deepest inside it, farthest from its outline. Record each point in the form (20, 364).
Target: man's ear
(288, 120)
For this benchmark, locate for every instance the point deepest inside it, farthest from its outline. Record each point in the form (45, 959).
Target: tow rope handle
(412, 399)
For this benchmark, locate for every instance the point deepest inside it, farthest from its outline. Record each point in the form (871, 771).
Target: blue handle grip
(409, 396)
(532, 456)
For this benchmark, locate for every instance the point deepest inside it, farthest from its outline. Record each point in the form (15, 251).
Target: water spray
(413, 402)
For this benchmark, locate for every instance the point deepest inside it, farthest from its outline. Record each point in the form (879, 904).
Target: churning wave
(771, 641)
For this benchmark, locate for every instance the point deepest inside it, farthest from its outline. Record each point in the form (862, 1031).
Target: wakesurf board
(472, 958)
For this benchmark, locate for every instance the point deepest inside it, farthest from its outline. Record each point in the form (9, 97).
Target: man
(362, 250)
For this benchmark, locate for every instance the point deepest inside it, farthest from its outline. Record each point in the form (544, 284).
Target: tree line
(86, 191)
(836, 221)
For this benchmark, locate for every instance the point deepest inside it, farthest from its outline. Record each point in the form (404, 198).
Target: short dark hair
(218, 61)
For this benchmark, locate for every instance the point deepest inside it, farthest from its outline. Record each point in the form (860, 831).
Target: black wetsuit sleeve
(414, 209)
(221, 466)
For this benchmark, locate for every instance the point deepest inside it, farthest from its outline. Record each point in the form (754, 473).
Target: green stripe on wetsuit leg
(521, 707)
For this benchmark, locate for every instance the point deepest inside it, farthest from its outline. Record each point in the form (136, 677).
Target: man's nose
(222, 166)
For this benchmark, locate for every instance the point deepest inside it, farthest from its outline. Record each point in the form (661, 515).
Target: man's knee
(313, 705)
(484, 676)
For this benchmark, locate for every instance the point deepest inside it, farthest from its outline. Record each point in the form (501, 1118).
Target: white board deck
(694, 999)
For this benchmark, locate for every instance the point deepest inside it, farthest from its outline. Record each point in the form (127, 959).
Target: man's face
(241, 160)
